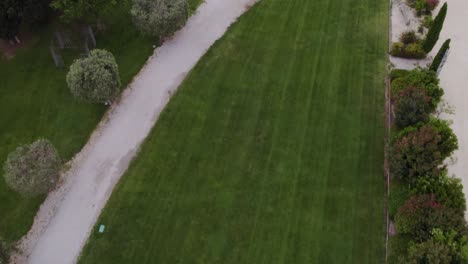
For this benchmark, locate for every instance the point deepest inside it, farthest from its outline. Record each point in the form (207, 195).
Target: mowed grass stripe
(270, 152)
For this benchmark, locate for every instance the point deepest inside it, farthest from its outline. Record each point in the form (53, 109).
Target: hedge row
(426, 205)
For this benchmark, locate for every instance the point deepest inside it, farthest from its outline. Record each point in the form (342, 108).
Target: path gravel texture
(454, 80)
(64, 221)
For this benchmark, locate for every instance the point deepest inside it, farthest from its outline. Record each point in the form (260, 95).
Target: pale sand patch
(404, 19)
(454, 81)
(67, 216)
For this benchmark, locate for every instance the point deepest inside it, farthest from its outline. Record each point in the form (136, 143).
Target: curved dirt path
(64, 221)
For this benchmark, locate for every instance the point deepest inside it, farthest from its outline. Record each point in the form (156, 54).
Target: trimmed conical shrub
(440, 55)
(434, 31)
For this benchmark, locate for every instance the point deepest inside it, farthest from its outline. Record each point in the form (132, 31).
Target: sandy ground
(404, 19)
(454, 80)
(64, 221)
(454, 75)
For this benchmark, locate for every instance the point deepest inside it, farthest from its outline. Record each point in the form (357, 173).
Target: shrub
(398, 73)
(421, 78)
(411, 106)
(94, 79)
(422, 214)
(410, 51)
(420, 151)
(429, 252)
(408, 37)
(440, 55)
(397, 197)
(73, 10)
(159, 18)
(448, 140)
(447, 190)
(33, 169)
(434, 31)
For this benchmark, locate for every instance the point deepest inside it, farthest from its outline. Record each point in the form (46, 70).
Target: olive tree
(159, 18)
(33, 169)
(95, 79)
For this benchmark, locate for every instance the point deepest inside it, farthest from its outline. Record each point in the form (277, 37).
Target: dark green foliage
(14, 12)
(440, 55)
(420, 215)
(82, 10)
(411, 106)
(408, 37)
(447, 190)
(434, 31)
(429, 252)
(397, 73)
(421, 78)
(398, 195)
(11, 13)
(397, 248)
(448, 140)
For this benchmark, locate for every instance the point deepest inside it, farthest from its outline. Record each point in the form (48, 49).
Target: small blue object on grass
(102, 228)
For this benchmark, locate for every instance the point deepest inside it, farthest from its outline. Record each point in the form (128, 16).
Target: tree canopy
(159, 18)
(95, 79)
(33, 169)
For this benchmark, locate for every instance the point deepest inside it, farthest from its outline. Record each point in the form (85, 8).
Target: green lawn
(35, 102)
(271, 151)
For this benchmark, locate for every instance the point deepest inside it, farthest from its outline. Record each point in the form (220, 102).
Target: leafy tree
(33, 169)
(434, 31)
(95, 79)
(422, 214)
(159, 18)
(78, 10)
(411, 106)
(421, 78)
(429, 252)
(447, 190)
(14, 12)
(36, 11)
(415, 152)
(448, 140)
(440, 55)
(11, 13)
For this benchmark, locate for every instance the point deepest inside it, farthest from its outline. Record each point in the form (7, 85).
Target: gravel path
(454, 80)
(64, 221)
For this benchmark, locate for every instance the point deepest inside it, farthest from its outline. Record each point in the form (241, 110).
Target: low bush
(427, 21)
(421, 78)
(397, 197)
(421, 151)
(423, 7)
(430, 252)
(411, 106)
(447, 190)
(420, 215)
(33, 169)
(408, 37)
(440, 55)
(409, 51)
(398, 73)
(94, 79)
